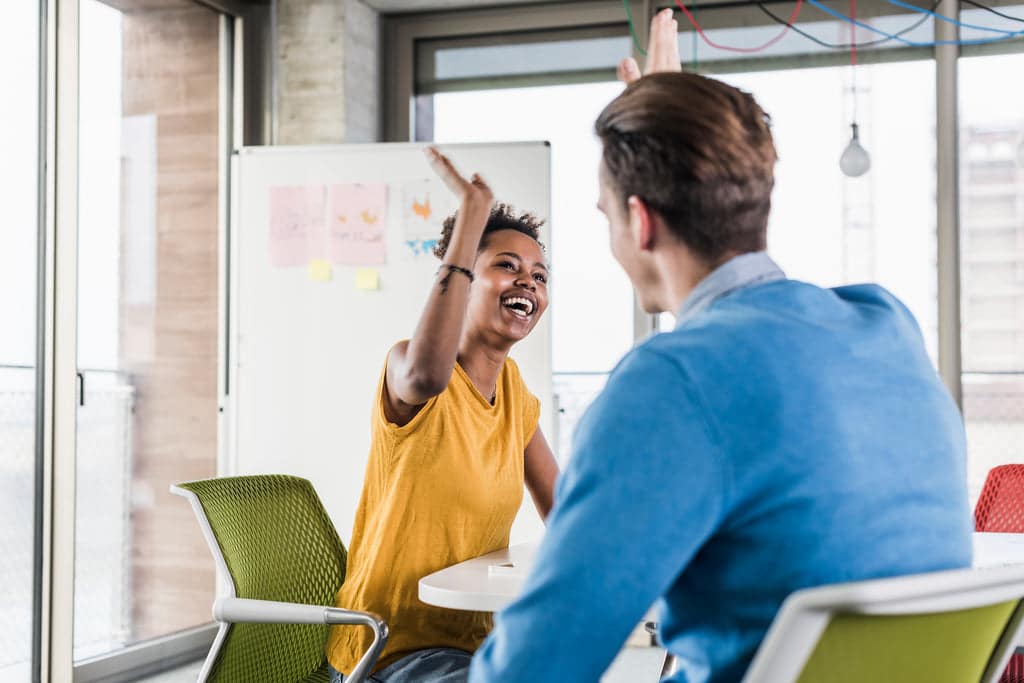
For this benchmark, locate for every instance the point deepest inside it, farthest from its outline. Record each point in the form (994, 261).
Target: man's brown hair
(697, 151)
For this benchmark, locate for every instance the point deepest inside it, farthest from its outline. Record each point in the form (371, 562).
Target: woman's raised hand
(662, 49)
(474, 194)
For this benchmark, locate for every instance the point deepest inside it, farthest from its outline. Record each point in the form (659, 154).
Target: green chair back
(278, 544)
(946, 647)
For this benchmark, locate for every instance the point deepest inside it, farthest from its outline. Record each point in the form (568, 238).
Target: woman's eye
(541, 277)
(508, 265)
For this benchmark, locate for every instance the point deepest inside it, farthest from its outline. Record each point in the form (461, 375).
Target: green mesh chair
(279, 565)
(957, 626)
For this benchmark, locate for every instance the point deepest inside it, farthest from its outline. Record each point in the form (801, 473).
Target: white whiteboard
(304, 356)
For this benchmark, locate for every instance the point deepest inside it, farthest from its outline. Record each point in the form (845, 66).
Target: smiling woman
(454, 438)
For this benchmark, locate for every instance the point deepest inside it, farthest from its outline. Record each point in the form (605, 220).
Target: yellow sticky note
(319, 270)
(368, 279)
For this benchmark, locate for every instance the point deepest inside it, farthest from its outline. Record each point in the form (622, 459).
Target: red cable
(853, 33)
(700, 31)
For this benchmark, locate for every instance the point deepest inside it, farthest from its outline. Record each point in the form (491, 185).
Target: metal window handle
(81, 388)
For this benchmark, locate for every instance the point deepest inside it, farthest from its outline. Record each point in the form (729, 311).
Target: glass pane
(19, 140)
(992, 260)
(832, 230)
(148, 236)
(592, 299)
(983, 25)
(520, 58)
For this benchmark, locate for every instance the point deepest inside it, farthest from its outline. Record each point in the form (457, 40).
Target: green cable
(632, 31)
(693, 10)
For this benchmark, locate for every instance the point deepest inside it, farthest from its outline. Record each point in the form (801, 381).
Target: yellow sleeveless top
(442, 489)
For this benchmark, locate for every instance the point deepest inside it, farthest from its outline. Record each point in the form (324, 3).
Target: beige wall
(168, 341)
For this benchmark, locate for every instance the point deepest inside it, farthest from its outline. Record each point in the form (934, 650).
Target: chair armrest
(246, 610)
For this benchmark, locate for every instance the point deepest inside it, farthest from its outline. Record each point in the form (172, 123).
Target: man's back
(786, 436)
(843, 459)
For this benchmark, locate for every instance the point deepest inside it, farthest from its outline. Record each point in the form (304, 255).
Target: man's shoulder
(793, 300)
(868, 293)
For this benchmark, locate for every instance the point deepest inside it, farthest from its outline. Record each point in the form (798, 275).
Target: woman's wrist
(449, 268)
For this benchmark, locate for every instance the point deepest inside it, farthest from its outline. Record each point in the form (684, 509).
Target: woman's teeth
(518, 304)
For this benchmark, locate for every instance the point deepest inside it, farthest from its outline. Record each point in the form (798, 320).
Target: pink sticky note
(357, 224)
(296, 224)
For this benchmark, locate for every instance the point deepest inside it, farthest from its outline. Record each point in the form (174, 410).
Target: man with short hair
(781, 436)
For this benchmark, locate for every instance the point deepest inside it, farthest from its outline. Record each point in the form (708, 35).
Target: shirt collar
(739, 272)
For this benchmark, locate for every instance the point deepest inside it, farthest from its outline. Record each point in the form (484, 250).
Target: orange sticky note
(319, 270)
(368, 279)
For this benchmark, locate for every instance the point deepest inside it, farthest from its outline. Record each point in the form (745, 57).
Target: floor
(633, 665)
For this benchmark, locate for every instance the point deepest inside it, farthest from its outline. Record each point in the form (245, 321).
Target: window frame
(407, 116)
(245, 113)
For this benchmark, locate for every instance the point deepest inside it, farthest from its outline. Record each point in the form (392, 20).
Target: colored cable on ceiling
(912, 43)
(845, 46)
(852, 45)
(950, 20)
(728, 48)
(853, 38)
(989, 9)
(632, 30)
(693, 43)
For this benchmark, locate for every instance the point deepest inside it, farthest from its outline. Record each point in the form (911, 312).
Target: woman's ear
(641, 223)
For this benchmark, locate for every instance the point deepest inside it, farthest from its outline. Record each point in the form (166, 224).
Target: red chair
(1000, 508)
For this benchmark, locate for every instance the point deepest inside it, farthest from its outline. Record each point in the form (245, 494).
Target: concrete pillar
(327, 72)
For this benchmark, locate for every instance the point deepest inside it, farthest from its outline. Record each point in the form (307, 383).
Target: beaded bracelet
(456, 269)
(452, 269)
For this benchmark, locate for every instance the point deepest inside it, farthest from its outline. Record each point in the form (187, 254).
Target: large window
(147, 294)
(992, 259)
(825, 228)
(19, 142)
(832, 230)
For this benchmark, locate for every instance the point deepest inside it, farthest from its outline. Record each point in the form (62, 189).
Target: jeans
(437, 665)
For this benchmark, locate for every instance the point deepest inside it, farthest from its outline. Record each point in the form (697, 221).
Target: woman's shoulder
(514, 384)
(510, 371)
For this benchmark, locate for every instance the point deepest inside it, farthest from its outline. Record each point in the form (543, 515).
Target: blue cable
(911, 43)
(950, 20)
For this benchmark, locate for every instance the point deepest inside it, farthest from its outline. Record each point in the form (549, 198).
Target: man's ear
(641, 222)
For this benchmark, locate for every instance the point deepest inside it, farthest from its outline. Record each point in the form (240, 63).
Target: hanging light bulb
(855, 160)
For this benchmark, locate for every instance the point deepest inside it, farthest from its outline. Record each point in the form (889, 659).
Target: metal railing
(103, 536)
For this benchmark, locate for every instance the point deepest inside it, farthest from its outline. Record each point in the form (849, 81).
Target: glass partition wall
(114, 140)
(148, 231)
(992, 258)
(19, 337)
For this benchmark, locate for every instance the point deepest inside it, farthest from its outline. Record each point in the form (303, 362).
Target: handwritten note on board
(296, 224)
(425, 205)
(358, 224)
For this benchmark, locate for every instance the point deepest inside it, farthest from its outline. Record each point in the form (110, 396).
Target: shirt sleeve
(645, 488)
(529, 405)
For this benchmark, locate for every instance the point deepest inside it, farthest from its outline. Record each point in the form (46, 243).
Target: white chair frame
(229, 609)
(805, 614)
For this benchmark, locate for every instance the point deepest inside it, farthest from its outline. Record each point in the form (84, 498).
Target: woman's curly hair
(503, 217)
